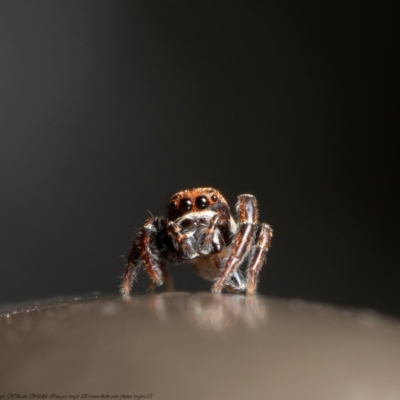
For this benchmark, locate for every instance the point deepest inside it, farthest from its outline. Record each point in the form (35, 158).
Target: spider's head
(196, 200)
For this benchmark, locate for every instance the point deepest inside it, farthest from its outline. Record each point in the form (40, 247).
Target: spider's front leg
(144, 250)
(263, 241)
(242, 241)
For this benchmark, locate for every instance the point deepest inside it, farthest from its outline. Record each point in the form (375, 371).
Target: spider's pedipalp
(183, 239)
(209, 236)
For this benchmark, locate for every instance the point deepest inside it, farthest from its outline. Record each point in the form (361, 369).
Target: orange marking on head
(211, 194)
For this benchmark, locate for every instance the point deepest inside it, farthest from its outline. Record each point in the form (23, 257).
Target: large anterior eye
(172, 205)
(185, 205)
(202, 202)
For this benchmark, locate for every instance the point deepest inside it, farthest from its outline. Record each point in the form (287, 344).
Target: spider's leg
(248, 219)
(144, 250)
(258, 256)
(169, 283)
(132, 266)
(236, 284)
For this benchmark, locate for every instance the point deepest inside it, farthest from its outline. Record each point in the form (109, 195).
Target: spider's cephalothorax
(200, 230)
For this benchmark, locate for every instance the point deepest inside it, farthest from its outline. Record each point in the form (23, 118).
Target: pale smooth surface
(199, 346)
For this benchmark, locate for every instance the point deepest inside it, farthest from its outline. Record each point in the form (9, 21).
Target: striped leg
(258, 257)
(143, 251)
(244, 236)
(169, 283)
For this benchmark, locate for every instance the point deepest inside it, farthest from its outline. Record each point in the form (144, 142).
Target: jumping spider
(200, 230)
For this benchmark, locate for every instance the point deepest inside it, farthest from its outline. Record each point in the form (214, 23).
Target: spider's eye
(172, 205)
(202, 202)
(214, 197)
(185, 205)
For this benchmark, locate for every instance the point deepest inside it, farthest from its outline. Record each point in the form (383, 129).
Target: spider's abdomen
(209, 268)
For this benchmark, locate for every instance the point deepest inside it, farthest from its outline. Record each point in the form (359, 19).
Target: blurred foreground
(198, 346)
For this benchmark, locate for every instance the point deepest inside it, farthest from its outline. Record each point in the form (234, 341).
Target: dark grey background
(109, 107)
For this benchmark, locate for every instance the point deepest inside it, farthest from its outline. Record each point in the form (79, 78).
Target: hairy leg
(258, 257)
(244, 236)
(144, 251)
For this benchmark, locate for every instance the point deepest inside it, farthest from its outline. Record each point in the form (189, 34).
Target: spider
(200, 230)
